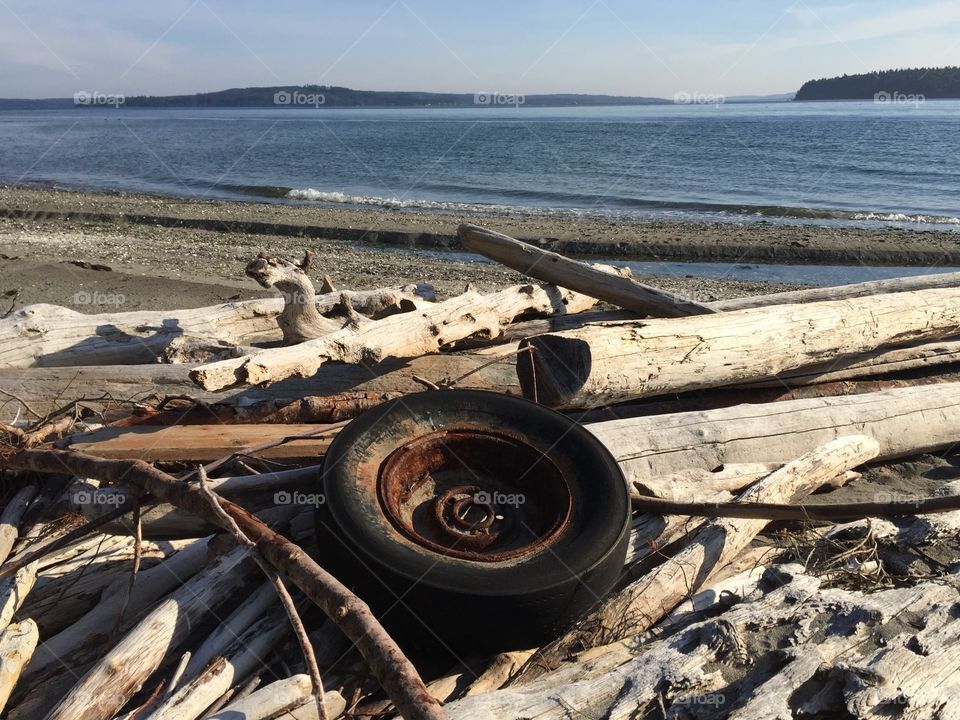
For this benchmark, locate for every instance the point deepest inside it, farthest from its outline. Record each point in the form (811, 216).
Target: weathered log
(82, 641)
(499, 672)
(17, 644)
(279, 700)
(840, 292)
(750, 662)
(393, 670)
(201, 442)
(930, 356)
(406, 335)
(300, 319)
(698, 483)
(646, 601)
(14, 590)
(229, 629)
(121, 672)
(10, 519)
(55, 336)
(564, 272)
(618, 362)
(906, 421)
(43, 388)
(239, 658)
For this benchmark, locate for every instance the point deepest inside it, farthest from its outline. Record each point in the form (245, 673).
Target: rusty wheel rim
(475, 494)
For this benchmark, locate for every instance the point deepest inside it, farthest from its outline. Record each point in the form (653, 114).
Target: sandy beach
(56, 247)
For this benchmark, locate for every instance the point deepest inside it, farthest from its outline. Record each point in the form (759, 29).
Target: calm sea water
(827, 163)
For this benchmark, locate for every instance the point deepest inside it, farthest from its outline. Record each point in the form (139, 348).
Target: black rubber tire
(469, 605)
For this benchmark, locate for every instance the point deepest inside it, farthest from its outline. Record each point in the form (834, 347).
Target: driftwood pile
(153, 565)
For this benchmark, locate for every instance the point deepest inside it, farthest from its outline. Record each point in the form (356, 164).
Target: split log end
(554, 369)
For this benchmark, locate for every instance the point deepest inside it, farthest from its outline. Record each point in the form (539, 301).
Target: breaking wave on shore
(619, 207)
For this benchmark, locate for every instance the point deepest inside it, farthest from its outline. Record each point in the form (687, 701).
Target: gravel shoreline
(158, 262)
(610, 237)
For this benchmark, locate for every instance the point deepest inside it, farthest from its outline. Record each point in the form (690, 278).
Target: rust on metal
(475, 493)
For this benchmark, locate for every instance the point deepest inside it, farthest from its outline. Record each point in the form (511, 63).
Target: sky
(56, 48)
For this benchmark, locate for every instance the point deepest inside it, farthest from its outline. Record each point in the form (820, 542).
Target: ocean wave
(342, 198)
(905, 218)
(617, 207)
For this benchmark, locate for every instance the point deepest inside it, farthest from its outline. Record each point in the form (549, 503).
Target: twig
(775, 511)
(137, 555)
(23, 403)
(274, 578)
(11, 568)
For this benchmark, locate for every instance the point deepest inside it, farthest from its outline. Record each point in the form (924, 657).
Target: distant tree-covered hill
(332, 96)
(309, 96)
(930, 82)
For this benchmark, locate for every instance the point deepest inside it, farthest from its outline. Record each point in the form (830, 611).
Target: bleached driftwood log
(17, 644)
(55, 336)
(619, 362)
(840, 292)
(82, 640)
(882, 361)
(241, 657)
(699, 482)
(647, 600)
(406, 335)
(281, 699)
(120, 673)
(559, 270)
(43, 389)
(792, 649)
(230, 628)
(10, 519)
(162, 520)
(68, 588)
(905, 421)
(14, 590)
(551, 267)
(500, 670)
(300, 320)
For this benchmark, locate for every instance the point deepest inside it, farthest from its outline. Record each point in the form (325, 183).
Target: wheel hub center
(475, 494)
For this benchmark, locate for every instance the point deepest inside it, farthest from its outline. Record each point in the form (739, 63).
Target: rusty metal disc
(475, 494)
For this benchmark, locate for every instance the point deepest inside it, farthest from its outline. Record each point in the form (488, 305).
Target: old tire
(534, 534)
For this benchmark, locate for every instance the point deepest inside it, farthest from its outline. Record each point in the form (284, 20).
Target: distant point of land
(886, 85)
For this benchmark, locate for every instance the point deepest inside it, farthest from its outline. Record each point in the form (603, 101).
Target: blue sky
(54, 48)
